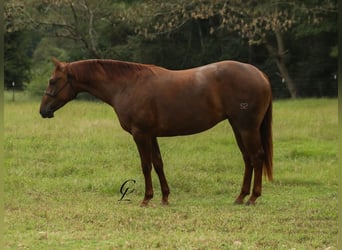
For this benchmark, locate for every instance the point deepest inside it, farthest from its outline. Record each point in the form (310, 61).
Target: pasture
(63, 179)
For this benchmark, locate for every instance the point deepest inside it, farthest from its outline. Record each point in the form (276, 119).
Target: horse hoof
(144, 203)
(250, 203)
(238, 202)
(165, 203)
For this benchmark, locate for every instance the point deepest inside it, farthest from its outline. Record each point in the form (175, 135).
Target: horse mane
(85, 69)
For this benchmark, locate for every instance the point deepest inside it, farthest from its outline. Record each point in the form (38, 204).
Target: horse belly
(188, 119)
(183, 128)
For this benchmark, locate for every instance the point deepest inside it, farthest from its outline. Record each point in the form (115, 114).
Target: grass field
(63, 179)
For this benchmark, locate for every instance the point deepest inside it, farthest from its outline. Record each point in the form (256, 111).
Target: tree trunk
(279, 56)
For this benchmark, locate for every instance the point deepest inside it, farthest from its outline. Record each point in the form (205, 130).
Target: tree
(17, 62)
(259, 22)
(180, 34)
(19, 45)
(78, 21)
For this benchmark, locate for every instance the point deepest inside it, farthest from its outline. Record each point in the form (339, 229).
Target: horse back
(189, 101)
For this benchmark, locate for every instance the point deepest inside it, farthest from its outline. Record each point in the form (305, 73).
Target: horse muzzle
(46, 113)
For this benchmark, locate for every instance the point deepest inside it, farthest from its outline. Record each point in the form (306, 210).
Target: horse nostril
(46, 113)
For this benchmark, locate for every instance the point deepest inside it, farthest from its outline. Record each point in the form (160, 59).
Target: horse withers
(152, 101)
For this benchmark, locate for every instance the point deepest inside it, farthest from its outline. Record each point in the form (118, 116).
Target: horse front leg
(144, 145)
(159, 168)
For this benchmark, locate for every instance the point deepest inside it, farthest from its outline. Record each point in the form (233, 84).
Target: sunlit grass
(63, 179)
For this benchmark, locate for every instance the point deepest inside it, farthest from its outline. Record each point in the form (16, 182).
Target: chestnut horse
(152, 101)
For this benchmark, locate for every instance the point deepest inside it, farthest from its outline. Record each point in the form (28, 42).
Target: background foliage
(294, 42)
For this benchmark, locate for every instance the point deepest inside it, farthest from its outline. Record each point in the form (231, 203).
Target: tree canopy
(293, 42)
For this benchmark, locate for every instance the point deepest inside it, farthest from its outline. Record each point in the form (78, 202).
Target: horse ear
(59, 65)
(56, 61)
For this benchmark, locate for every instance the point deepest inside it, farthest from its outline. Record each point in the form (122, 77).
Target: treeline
(293, 42)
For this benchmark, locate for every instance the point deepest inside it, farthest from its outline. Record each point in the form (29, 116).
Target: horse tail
(267, 142)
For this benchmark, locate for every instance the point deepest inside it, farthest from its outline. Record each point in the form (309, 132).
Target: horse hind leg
(254, 155)
(247, 178)
(246, 184)
(159, 168)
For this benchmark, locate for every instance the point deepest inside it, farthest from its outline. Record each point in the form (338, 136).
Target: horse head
(59, 90)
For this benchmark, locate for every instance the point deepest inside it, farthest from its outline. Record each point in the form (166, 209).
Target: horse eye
(52, 81)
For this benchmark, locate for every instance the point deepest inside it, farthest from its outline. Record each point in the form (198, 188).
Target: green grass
(63, 177)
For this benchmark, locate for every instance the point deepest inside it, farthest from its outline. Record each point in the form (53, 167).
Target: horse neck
(100, 81)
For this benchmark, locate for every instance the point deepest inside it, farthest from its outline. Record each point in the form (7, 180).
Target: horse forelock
(87, 69)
